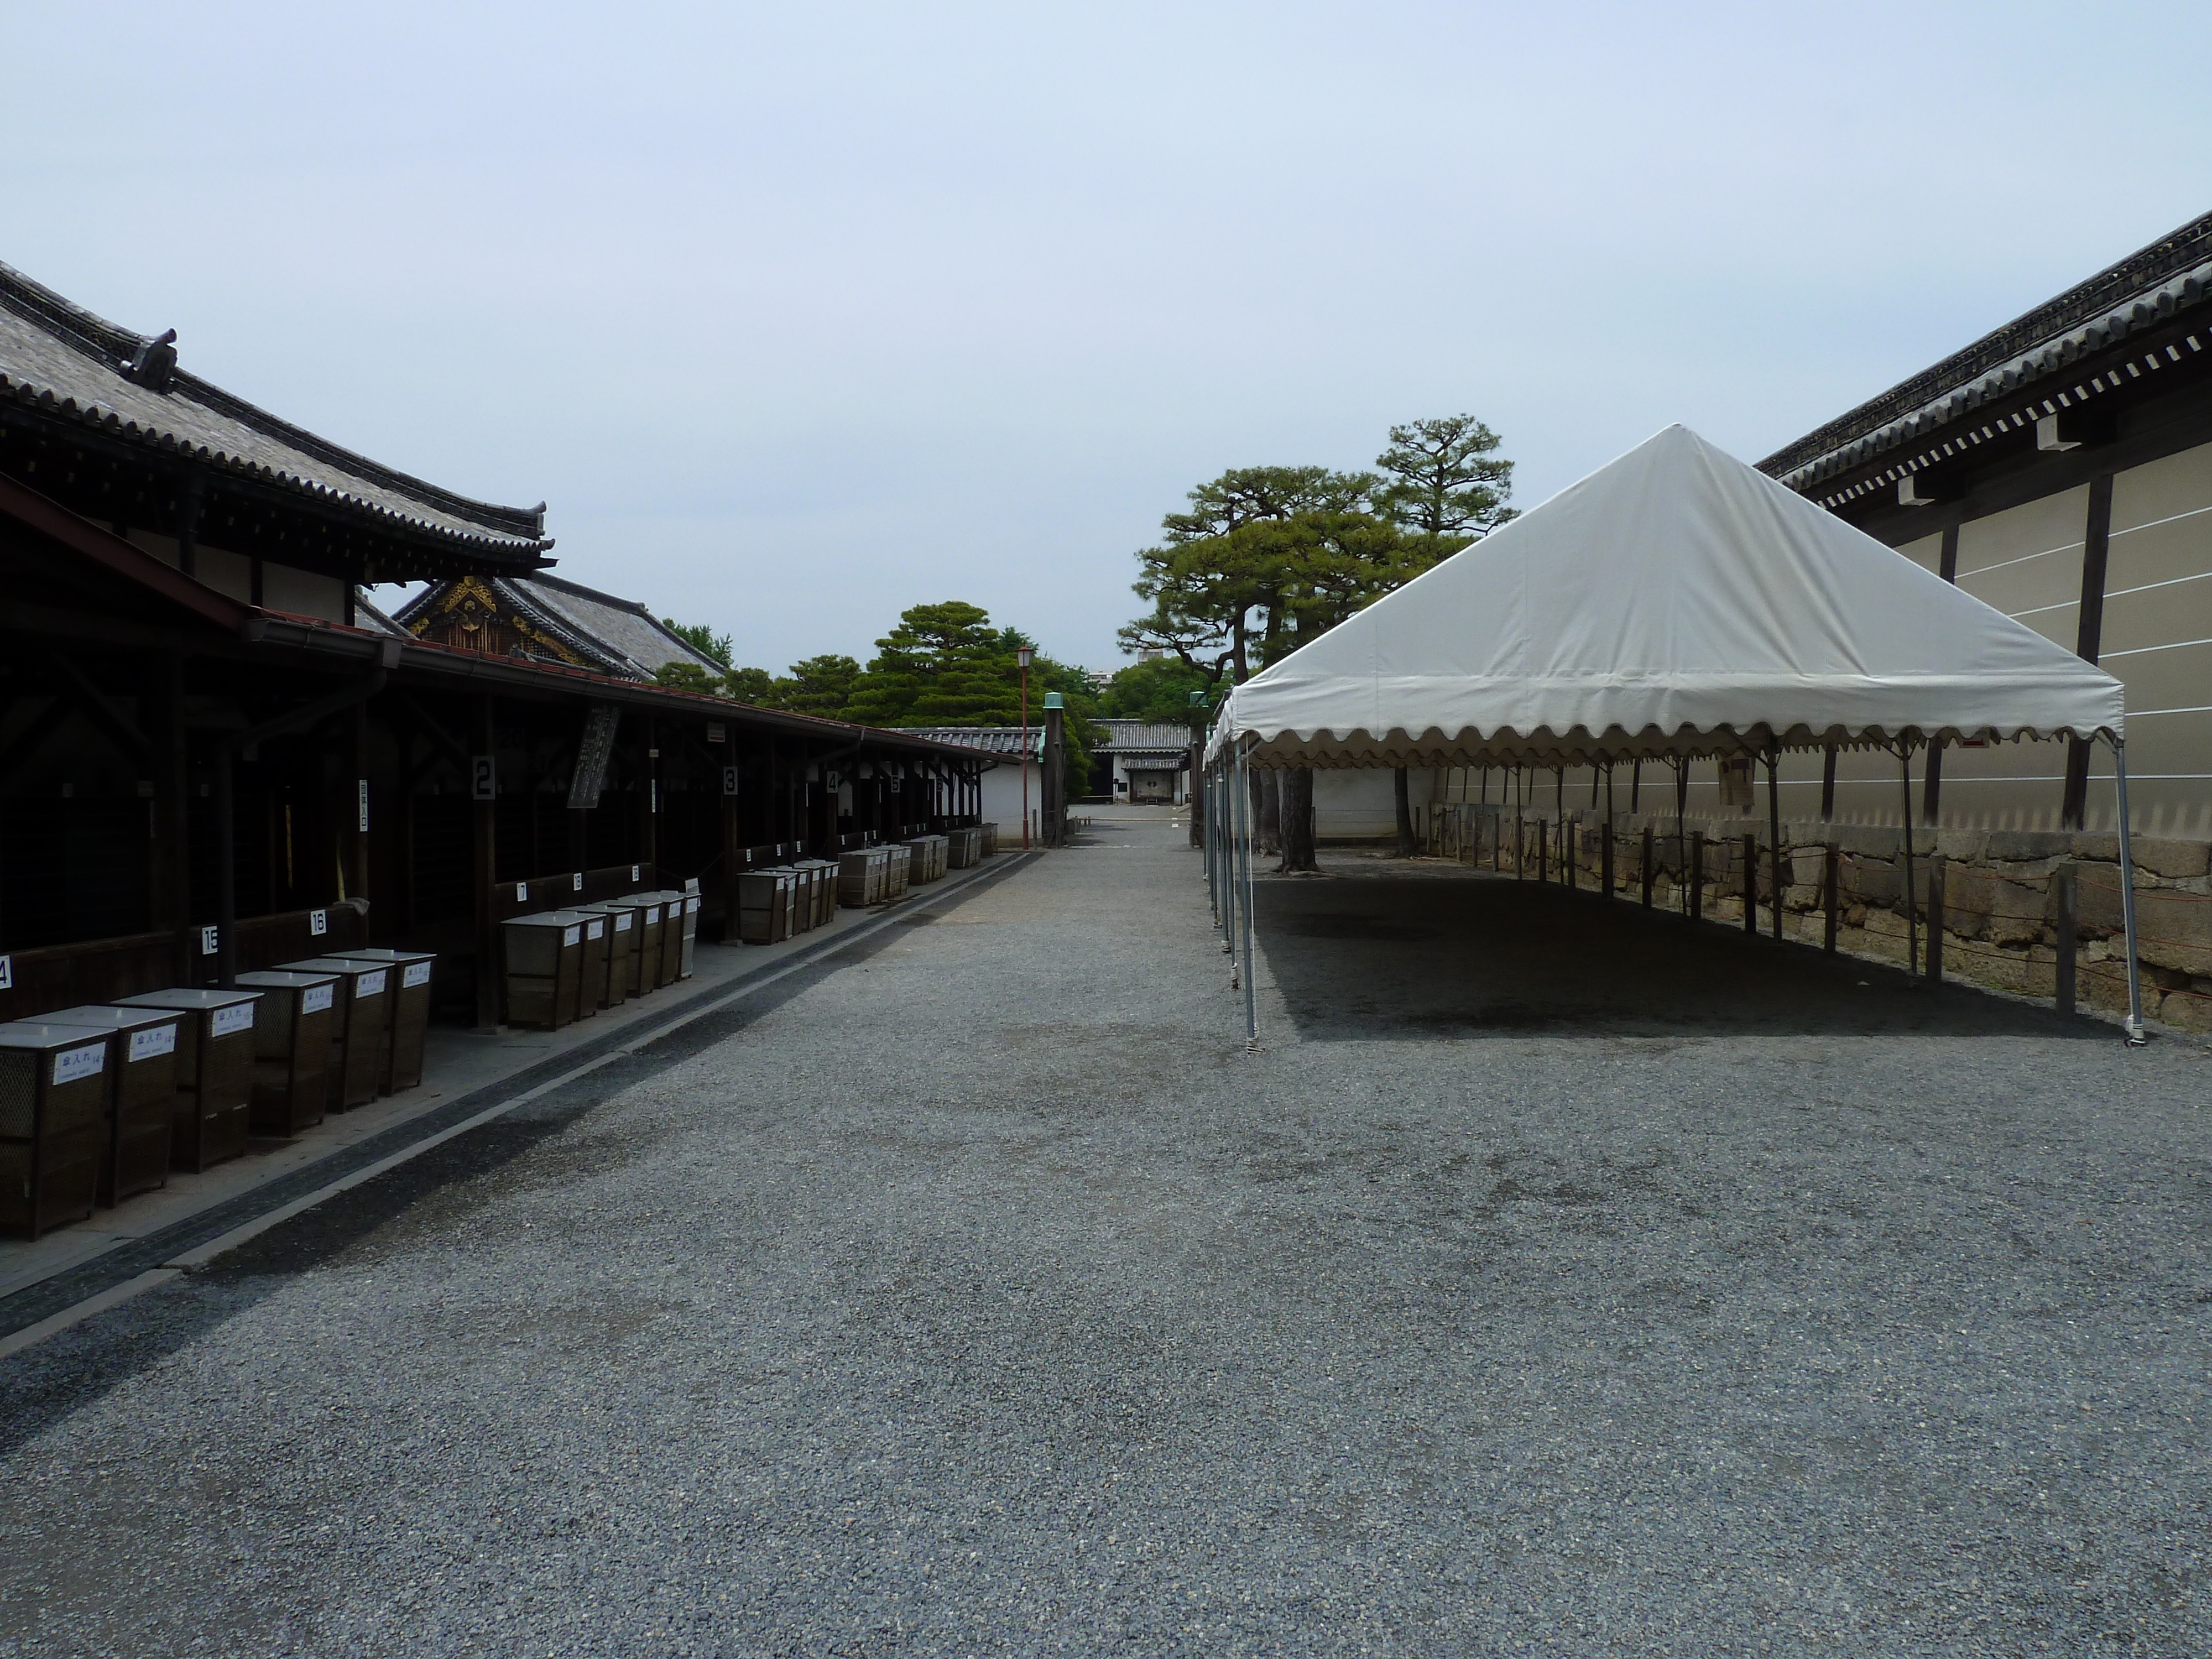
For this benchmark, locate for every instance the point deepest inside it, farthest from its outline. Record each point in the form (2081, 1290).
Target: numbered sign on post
(364, 805)
(729, 781)
(484, 778)
(210, 940)
(319, 922)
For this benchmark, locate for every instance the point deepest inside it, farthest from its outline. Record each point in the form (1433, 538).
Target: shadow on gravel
(1475, 957)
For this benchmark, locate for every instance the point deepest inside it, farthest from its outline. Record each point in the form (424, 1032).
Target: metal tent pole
(1251, 992)
(2134, 1026)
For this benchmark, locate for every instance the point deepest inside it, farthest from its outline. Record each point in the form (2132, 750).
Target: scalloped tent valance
(1674, 602)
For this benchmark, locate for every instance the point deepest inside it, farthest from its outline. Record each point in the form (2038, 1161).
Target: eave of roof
(85, 384)
(2146, 289)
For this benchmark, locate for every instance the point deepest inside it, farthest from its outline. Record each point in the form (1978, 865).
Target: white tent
(1674, 602)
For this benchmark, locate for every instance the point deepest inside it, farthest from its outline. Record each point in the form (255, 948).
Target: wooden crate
(360, 1026)
(863, 877)
(215, 1071)
(53, 1123)
(625, 928)
(652, 940)
(898, 870)
(545, 962)
(142, 1094)
(767, 905)
(291, 1049)
(407, 1025)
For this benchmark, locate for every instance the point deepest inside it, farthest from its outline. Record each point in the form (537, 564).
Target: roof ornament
(155, 365)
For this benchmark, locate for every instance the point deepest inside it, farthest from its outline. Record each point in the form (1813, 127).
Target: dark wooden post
(1649, 872)
(355, 809)
(1751, 883)
(1936, 920)
(2088, 636)
(2068, 931)
(1698, 877)
(1569, 871)
(485, 846)
(1827, 783)
(1543, 851)
(733, 851)
(649, 806)
(1774, 830)
(1830, 874)
(161, 717)
(1605, 857)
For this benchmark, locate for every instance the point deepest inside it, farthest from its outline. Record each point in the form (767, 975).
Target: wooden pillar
(1605, 857)
(1830, 879)
(1827, 783)
(733, 855)
(649, 806)
(353, 820)
(2088, 639)
(1696, 894)
(1932, 790)
(485, 845)
(1936, 920)
(169, 894)
(2068, 933)
(1751, 883)
(1649, 873)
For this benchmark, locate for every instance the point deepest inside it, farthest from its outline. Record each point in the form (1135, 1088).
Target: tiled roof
(613, 635)
(1146, 735)
(62, 360)
(2146, 288)
(997, 740)
(623, 627)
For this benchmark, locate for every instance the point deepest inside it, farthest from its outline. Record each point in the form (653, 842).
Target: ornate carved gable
(471, 613)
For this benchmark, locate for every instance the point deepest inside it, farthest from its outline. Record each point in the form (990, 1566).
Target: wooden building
(2060, 470)
(209, 739)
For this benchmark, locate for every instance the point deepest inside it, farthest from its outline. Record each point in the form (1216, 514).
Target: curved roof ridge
(2103, 298)
(112, 346)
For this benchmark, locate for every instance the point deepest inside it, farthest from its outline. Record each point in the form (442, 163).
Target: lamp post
(1022, 656)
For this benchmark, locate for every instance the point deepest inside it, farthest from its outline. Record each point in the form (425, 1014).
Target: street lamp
(1022, 655)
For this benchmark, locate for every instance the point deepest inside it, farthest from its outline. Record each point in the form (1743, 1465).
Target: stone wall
(2000, 893)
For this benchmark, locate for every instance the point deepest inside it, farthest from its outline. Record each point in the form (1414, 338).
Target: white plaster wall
(1361, 802)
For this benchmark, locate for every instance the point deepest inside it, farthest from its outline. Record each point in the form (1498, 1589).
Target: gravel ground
(1557, 1281)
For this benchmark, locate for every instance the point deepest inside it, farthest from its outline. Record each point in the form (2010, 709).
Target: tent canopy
(1674, 602)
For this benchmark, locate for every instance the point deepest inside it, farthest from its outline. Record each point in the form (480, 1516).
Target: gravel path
(1556, 1281)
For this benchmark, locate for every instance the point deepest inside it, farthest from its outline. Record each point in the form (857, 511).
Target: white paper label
(522, 892)
(572, 935)
(227, 1021)
(71, 1064)
(152, 1043)
(595, 930)
(7, 973)
(623, 920)
(415, 974)
(633, 871)
(576, 883)
(652, 913)
(315, 999)
(693, 907)
(368, 985)
(319, 922)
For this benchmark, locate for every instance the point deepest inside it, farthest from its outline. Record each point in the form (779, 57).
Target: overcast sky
(800, 315)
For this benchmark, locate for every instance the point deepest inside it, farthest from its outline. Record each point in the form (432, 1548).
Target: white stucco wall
(1361, 804)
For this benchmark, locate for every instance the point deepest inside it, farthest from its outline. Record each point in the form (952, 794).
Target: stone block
(1809, 866)
(1869, 841)
(2174, 930)
(2101, 845)
(1886, 924)
(1968, 845)
(2190, 1010)
(2176, 861)
(2007, 970)
(2035, 872)
(1873, 883)
(2103, 986)
(1801, 897)
(2023, 845)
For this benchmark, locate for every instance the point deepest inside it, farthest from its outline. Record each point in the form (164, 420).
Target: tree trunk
(1406, 845)
(1266, 814)
(1298, 821)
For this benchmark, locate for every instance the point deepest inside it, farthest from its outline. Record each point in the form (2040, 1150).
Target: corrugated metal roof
(2146, 288)
(60, 358)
